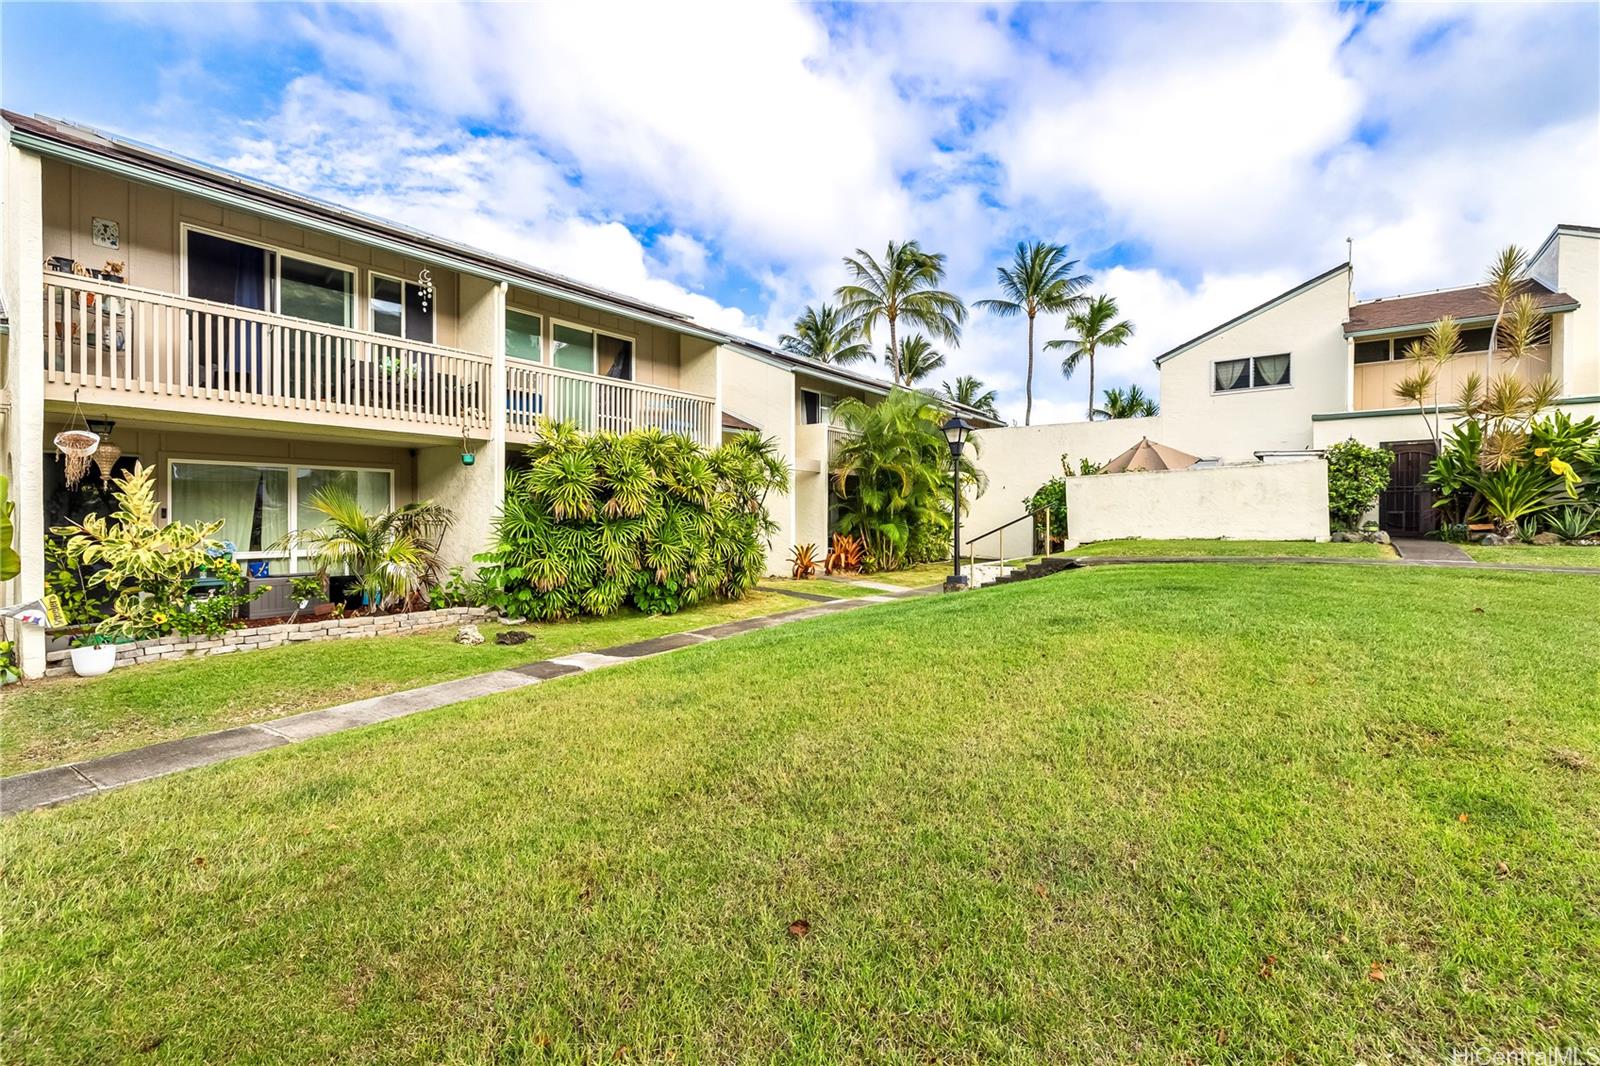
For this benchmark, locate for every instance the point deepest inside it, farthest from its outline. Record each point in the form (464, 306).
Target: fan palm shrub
(595, 521)
(394, 554)
(893, 471)
(1040, 278)
(903, 286)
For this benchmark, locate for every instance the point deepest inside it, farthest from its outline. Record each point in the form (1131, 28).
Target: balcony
(592, 402)
(113, 345)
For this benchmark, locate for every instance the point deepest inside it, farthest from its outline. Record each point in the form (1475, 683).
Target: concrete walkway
(60, 784)
(1434, 551)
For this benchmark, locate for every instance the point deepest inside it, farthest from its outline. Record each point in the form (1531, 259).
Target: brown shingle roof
(1467, 304)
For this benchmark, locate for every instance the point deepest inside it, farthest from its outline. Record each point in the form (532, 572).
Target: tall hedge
(595, 521)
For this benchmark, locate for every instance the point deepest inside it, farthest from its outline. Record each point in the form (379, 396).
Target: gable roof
(1253, 312)
(1470, 304)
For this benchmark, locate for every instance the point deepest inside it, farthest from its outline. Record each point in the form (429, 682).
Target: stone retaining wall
(174, 647)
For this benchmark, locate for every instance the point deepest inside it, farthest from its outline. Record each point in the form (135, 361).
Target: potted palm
(93, 654)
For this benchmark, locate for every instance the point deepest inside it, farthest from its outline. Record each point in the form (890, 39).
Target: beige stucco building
(253, 344)
(1314, 366)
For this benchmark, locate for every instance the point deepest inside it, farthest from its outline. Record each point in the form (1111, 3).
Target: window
(1372, 352)
(228, 272)
(524, 336)
(315, 291)
(816, 408)
(1474, 340)
(591, 352)
(260, 505)
(398, 310)
(1255, 372)
(264, 279)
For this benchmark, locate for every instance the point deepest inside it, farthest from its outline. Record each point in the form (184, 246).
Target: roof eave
(1474, 320)
(1253, 312)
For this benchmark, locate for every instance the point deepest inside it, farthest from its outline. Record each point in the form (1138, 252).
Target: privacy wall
(1245, 501)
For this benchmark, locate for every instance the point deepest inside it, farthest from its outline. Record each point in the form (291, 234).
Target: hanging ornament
(425, 283)
(105, 457)
(76, 445)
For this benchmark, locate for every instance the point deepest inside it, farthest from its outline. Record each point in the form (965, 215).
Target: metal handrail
(972, 554)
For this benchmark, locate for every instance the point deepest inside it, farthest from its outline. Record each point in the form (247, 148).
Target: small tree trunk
(894, 352)
(1091, 384)
(1027, 415)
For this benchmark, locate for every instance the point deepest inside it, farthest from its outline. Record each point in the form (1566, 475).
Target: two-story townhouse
(1313, 366)
(253, 345)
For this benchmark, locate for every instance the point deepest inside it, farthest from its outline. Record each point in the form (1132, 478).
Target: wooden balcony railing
(591, 402)
(117, 344)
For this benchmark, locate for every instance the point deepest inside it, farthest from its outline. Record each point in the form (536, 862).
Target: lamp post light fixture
(955, 434)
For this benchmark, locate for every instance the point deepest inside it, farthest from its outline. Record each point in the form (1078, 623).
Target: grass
(1535, 554)
(1293, 548)
(912, 577)
(821, 586)
(1142, 813)
(46, 723)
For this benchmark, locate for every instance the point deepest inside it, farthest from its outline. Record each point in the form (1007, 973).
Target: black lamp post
(955, 432)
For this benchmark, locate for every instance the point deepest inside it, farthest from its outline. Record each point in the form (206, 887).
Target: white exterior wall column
(473, 492)
(23, 458)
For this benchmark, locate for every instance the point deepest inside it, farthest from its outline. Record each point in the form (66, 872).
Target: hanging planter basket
(77, 445)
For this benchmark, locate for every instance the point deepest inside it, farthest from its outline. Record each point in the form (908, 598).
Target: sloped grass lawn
(821, 586)
(912, 577)
(46, 723)
(1292, 548)
(1536, 554)
(1142, 813)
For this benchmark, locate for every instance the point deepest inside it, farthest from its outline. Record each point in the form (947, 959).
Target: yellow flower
(1560, 466)
(1540, 452)
(159, 618)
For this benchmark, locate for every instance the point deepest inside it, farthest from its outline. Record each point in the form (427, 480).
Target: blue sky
(721, 159)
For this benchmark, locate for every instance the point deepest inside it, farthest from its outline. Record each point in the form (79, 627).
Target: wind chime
(425, 283)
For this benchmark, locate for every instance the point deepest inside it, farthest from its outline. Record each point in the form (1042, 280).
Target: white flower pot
(92, 662)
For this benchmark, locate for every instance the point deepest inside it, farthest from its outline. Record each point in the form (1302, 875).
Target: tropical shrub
(1504, 465)
(1356, 475)
(803, 560)
(148, 569)
(1575, 522)
(394, 553)
(593, 522)
(845, 556)
(892, 471)
(10, 561)
(1051, 497)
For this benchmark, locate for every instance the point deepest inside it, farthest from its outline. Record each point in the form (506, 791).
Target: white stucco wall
(1019, 459)
(1247, 501)
(765, 395)
(1578, 275)
(1233, 426)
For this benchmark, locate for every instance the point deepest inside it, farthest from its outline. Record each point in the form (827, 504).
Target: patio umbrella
(1148, 455)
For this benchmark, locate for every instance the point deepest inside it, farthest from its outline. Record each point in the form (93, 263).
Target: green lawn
(1536, 554)
(45, 723)
(913, 577)
(1141, 813)
(839, 590)
(1294, 548)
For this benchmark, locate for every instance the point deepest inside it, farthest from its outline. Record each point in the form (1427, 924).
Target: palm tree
(1131, 404)
(1503, 280)
(917, 359)
(394, 552)
(1040, 278)
(1094, 326)
(969, 392)
(826, 334)
(902, 286)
